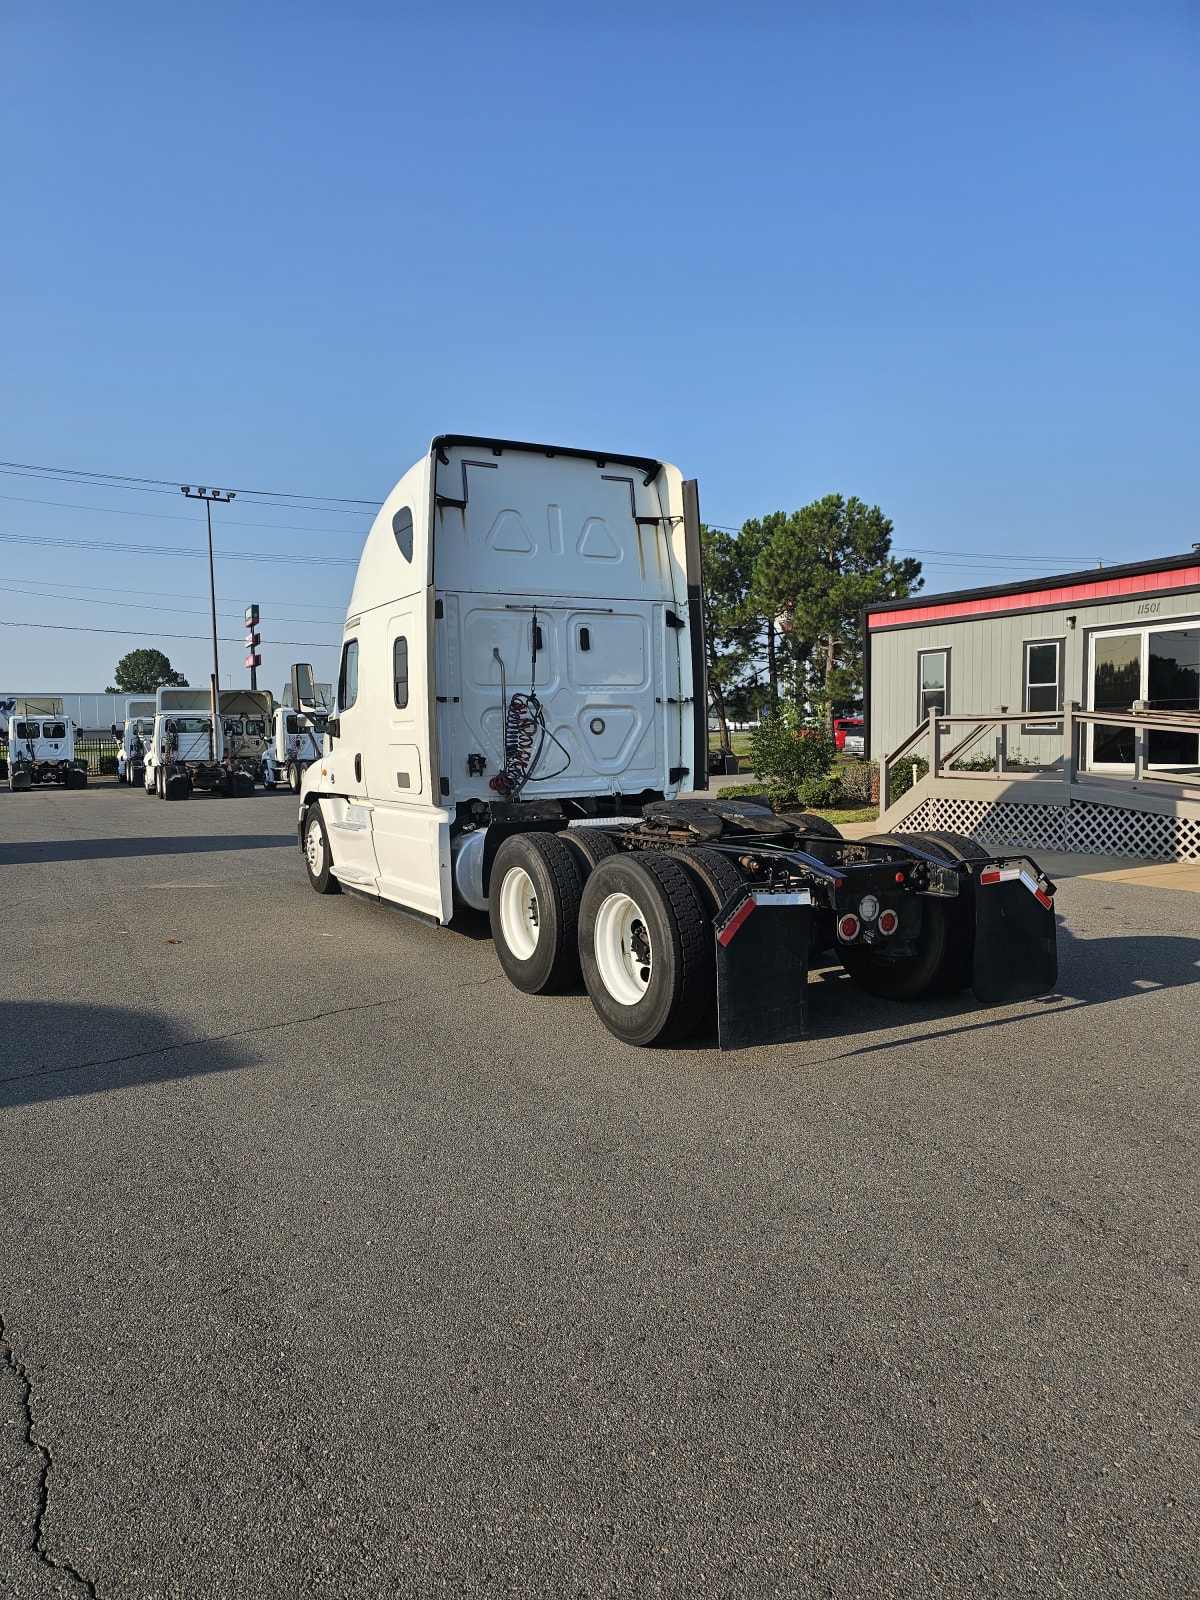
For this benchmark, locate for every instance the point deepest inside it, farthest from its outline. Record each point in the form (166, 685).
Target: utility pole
(223, 497)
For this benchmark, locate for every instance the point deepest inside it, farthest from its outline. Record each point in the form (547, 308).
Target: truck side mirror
(116, 732)
(304, 689)
(333, 727)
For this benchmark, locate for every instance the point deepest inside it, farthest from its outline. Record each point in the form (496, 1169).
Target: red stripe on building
(1030, 600)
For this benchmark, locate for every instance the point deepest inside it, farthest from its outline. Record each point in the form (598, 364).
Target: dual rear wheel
(636, 928)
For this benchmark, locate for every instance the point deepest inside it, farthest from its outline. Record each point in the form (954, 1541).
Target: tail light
(848, 927)
(888, 922)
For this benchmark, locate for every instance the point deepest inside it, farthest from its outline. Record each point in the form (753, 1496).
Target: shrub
(815, 794)
(902, 775)
(858, 781)
(787, 751)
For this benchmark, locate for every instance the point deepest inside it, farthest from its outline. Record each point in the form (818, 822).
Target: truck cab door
(347, 810)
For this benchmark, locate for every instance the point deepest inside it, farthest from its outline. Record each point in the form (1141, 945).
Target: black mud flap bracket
(762, 968)
(1016, 953)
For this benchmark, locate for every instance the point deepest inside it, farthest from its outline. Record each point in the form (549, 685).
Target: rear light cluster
(849, 926)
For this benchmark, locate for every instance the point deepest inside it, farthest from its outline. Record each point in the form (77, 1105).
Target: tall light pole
(223, 497)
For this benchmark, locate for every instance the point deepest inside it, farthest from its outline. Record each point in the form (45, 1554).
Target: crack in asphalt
(37, 1543)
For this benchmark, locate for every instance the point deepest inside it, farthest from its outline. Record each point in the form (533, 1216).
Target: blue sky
(943, 257)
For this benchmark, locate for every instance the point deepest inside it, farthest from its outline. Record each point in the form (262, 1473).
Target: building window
(1042, 687)
(933, 683)
(348, 679)
(400, 673)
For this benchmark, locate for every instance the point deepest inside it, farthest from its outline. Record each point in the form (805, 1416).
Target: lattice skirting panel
(1092, 829)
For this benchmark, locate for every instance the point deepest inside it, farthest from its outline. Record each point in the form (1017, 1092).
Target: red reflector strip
(1036, 890)
(1011, 875)
(1000, 875)
(739, 916)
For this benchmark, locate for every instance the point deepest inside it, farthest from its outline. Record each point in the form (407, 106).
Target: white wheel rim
(314, 847)
(519, 919)
(624, 954)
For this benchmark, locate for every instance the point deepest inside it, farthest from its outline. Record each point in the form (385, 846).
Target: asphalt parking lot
(332, 1265)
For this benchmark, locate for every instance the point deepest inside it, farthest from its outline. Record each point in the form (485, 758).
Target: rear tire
(533, 903)
(718, 875)
(945, 952)
(646, 947)
(318, 857)
(593, 845)
(293, 776)
(909, 977)
(817, 827)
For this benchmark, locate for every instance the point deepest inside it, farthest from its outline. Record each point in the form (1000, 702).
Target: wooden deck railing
(1071, 722)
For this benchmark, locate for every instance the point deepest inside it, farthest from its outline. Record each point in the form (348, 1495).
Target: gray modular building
(1105, 639)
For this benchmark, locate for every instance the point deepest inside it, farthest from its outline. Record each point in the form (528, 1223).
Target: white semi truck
(41, 747)
(520, 702)
(135, 738)
(183, 754)
(295, 745)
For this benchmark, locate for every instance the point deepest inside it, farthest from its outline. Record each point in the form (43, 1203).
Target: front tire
(318, 857)
(646, 946)
(533, 902)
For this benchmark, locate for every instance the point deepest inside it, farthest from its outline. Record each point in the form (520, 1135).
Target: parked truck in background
(134, 738)
(520, 702)
(41, 747)
(295, 745)
(184, 755)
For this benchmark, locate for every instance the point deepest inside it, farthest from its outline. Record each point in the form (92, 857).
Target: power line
(965, 555)
(174, 550)
(171, 516)
(136, 605)
(175, 594)
(154, 633)
(169, 485)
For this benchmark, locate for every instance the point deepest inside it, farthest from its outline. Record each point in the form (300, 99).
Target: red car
(848, 733)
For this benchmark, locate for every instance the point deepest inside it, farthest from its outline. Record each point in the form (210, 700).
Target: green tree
(817, 570)
(730, 627)
(144, 671)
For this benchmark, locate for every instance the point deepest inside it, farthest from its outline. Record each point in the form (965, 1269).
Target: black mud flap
(1016, 953)
(178, 786)
(762, 968)
(20, 778)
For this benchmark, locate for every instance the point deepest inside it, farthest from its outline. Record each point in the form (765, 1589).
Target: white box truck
(520, 702)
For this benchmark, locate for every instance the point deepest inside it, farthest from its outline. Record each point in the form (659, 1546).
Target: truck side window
(348, 680)
(55, 730)
(402, 527)
(400, 672)
(291, 725)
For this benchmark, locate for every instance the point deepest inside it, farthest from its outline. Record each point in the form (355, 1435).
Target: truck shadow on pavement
(1091, 972)
(29, 853)
(55, 1051)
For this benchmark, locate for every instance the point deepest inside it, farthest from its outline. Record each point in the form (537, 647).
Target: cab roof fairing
(384, 576)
